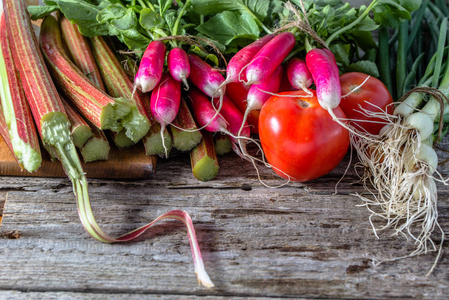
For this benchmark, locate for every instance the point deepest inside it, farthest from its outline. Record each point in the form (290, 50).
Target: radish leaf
(228, 26)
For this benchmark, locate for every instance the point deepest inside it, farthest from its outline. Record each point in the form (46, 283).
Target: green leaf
(410, 5)
(341, 53)
(365, 66)
(208, 7)
(211, 59)
(127, 21)
(40, 11)
(390, 13)
(150, 20)
(84, 13)
(228, 26)
(112, 12)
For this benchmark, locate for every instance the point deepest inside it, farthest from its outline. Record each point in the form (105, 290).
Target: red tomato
(372, 91)
(300, 138)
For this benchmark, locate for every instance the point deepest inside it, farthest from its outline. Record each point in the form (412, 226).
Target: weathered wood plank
(300, 240)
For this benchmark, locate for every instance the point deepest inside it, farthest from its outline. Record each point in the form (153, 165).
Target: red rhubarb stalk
(102, 110)
(80, 53)
(15, 110)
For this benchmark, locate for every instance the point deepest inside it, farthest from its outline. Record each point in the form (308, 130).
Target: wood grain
(301, 240)
(129, 163)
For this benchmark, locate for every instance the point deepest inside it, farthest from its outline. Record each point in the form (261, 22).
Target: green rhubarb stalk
(203, 158)
(183, 129)
(96, 148)
(4, 133)
(152, 141)
(223, 144)
(80, 130)
(15, 110)
(102, 110)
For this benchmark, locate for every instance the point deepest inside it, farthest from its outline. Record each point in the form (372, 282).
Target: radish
(178, 65)
(151, 66)
(165, 101)
(207, 79)
(242, 58)
(234, 118)
(299, 75)
(204, 112)
(325, 74)
(258, 94)
(204, 77)
(269, 57)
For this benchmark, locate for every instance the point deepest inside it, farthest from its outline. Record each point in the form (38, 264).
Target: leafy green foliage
(229, 25)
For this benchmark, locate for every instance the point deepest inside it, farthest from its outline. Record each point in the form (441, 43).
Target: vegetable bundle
(196, 71)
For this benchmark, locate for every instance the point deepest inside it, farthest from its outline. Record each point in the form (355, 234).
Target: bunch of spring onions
(400, 164)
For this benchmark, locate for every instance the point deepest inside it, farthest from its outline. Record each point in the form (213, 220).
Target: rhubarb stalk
(78, 48)
(96, 148)
(15, 110)
(53, 126)
(104, 111)
(184, 129)
(80, 130)
(203, 158)
(115, 78)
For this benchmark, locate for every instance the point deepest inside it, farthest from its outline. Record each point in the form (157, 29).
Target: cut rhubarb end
(204, 160)
(187, 139)
(121, 140)
(153, 141)
(183, 140)
(97, 148)
(223, 144)
(123, 114)
(81, 134)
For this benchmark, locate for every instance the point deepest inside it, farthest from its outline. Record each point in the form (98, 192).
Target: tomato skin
(372, 91)
(300, 138)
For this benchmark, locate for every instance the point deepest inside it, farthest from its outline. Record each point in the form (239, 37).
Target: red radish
(234, 118)
(178, 65)
(238, 92)
(299, 75)
(269, 57)
(258, 94)
(242, 58)
(325, 74)
(165, 101)
(151, 66)
(206, 78)
(205, 113)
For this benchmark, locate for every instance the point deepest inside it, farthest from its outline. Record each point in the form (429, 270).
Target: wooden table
(300, 241)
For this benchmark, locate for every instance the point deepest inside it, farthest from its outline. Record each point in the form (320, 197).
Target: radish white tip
(145, 83)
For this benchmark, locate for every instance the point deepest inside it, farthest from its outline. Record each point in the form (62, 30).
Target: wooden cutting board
(129, 163)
